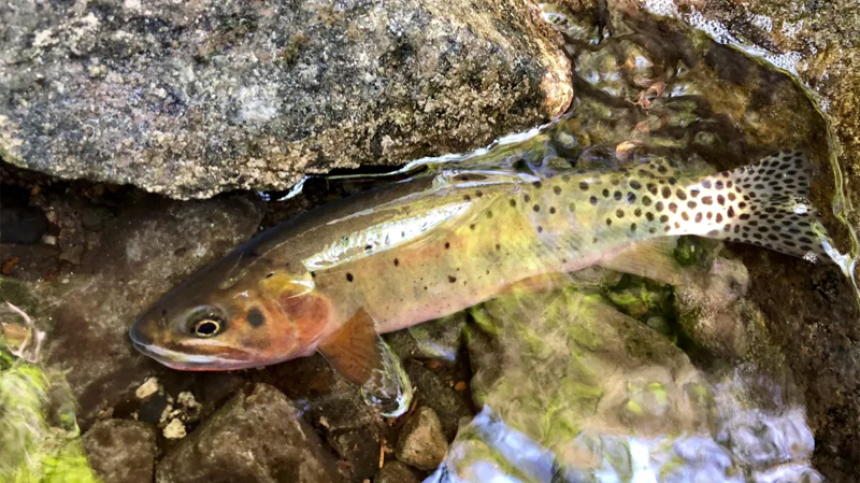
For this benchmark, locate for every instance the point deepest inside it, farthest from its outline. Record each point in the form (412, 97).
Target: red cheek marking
(308, 313)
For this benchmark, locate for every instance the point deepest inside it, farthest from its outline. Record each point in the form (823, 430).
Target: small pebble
(174, 430)
(148, 388)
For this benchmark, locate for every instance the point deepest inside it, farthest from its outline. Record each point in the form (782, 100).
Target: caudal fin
(764, 204)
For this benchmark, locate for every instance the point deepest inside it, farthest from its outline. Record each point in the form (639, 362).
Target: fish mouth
(188, 362)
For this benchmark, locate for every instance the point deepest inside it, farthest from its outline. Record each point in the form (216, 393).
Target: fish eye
(207, 327)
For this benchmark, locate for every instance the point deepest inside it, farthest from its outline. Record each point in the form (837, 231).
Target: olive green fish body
(422, 249)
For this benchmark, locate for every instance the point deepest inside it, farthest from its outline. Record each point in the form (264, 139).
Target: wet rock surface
(147, 248)
(422, 443)
(254, 437)
(395, 472)
(121, 451)
(109, 251)
(193, 99)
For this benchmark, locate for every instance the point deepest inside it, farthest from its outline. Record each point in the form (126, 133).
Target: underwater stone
(450, 405)
(395, 472)
(711, 308)
(422, 443)
(254, 437)
(121, 451)
(192, 99)
(151, 246)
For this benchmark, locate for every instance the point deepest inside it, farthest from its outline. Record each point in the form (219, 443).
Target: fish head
(233, 316)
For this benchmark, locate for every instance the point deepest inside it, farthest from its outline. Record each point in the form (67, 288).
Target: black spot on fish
(609, 222)
(673, 207)
(646, 201)
(396, 262)
(635, 184)
(552, 210)
(472, 226)
(666, 192)
(256, 318)
(707, 200)
(649, 216)
(583, 185)
(479, 193)
(617, 195)
(664, 218)
(452, 278)
(537, 184)
(513, 203)
(498, 246)
(540, 229)
(313, 274)
(593, 200)
(270, 274)
(556, 190)
(368, 247)
(605, 193)
(349, 277)
(447, 245)
(619, 213)
(467, 197)
(527, 198)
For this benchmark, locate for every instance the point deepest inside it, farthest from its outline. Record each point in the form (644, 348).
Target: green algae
(34, 449)
(39, 435)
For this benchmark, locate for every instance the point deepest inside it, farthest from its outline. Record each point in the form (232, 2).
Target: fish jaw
(202, 362)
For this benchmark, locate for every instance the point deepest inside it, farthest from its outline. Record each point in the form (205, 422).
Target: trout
(334, 278)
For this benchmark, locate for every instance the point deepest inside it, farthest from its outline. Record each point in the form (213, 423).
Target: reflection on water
(575, 391)
(585, 382)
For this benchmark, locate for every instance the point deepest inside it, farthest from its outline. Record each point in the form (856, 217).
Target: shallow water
(566, 392)
(617, 377)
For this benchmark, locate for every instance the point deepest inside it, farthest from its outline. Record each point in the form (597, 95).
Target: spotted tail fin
(764, 204)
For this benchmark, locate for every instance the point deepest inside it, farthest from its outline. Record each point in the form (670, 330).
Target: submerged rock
(192, 99)
(395, 472)
(254, 438)
(121, 451)
(151, 246)
(422, 443)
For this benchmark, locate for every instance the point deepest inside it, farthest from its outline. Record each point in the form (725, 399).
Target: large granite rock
(193, 98)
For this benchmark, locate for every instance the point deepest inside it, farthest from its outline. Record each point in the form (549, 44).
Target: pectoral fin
(353, 349)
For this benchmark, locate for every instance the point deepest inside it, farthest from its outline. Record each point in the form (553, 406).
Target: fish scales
(412, 253)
